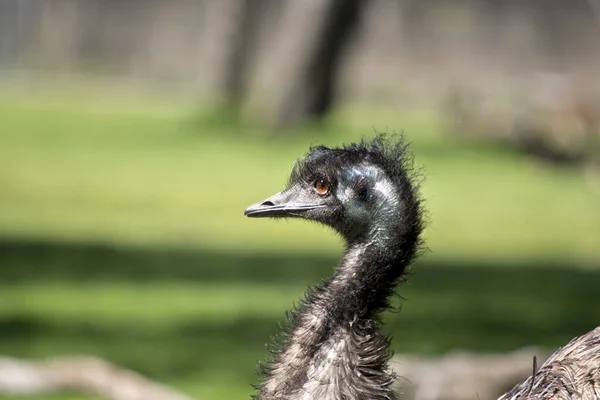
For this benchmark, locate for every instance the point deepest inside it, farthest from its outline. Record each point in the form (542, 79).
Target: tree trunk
(317, 33)
(231, 28)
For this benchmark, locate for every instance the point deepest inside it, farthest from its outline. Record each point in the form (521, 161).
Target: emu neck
(335, 349)
(365, 279)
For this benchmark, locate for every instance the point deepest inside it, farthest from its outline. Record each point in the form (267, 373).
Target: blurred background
(134, 133)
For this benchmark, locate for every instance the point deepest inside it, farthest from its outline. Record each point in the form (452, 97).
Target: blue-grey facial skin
(368, 198)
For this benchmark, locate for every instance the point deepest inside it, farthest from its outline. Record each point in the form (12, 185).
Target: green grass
(122, 235)
(135, 177)
(199, 319)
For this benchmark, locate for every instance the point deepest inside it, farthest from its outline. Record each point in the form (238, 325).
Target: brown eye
(322, 187)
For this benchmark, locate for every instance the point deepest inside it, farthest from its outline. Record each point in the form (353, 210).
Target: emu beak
(288, 203)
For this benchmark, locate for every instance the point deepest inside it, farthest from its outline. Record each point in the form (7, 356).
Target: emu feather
(333, 348)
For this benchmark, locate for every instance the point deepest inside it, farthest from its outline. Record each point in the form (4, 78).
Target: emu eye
(363, 192)
(322, 187)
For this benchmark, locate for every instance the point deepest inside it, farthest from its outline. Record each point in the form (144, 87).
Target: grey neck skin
(335, 349)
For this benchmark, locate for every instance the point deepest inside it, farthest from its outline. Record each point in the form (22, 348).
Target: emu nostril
(267, 203)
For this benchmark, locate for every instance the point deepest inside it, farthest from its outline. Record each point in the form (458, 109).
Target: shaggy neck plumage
(334, 348)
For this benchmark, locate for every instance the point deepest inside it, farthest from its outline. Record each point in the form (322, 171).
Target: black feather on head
(390, 154)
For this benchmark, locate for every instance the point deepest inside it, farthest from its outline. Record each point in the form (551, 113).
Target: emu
(368, 193)
(334, 349)
(571, 373)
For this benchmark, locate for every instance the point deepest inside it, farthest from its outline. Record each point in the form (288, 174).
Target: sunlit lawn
(122, 234)
(121, 173)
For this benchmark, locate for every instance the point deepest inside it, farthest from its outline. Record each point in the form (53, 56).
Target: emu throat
(335, 345)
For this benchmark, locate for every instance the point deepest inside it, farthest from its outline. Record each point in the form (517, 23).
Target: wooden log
(80, 373)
